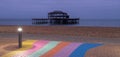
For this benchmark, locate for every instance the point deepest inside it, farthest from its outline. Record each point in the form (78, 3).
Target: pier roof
(57, 12)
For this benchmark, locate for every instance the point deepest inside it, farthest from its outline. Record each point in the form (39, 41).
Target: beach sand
(99, 32)
(107, 35)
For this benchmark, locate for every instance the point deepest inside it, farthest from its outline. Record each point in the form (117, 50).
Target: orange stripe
(56, 49)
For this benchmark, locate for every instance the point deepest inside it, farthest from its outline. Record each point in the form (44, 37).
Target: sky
(84, 9)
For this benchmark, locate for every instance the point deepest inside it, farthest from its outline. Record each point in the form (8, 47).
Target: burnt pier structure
(56, 17)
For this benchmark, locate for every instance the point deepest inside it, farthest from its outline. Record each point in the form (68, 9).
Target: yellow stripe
(26, 45)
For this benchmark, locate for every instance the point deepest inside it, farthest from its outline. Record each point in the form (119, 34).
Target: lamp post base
(20, 40)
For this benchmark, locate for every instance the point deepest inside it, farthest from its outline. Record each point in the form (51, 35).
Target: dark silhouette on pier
(56, 17)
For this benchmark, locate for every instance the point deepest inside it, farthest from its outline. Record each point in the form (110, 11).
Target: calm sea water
(83, 22)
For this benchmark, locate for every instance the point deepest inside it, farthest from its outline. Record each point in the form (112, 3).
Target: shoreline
(65, 26)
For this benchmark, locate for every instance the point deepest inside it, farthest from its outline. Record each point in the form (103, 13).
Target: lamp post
(20, 37)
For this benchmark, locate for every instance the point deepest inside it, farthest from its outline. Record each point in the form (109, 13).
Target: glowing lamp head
(19, 29)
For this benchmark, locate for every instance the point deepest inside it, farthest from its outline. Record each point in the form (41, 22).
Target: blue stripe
(82, 49)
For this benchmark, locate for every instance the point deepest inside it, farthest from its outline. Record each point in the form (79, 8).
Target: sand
(107, 35)
(99, 32)
(104, 51)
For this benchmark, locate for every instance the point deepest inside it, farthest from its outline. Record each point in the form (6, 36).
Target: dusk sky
(85, 9)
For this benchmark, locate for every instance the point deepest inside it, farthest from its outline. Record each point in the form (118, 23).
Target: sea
(82, 22)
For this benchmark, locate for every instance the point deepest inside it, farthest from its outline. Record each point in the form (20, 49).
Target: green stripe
(45, 49)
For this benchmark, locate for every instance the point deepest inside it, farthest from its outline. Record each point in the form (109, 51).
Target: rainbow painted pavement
(44, 48)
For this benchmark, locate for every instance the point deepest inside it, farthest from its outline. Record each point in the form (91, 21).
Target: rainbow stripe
(66, 51)
(43, 48)
(81, 50)
(26, 45)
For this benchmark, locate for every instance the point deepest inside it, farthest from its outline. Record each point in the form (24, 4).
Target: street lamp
(20, 37)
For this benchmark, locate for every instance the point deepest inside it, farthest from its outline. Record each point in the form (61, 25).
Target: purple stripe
(66, 51)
